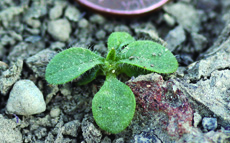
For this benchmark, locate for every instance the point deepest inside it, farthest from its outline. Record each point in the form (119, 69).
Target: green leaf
(117, 40)
(150, 56)
(111, 55)
(113, 106)
(132, 70)
(89, 76)
(71, 63)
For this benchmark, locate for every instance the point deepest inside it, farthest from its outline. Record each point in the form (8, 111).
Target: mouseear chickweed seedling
(114, 104)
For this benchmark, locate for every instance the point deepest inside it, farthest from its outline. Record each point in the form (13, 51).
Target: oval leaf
(117, 40)
(69, 64)
(113, 106)
(150, 56)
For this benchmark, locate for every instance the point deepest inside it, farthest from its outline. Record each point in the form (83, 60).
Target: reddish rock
(160, 96)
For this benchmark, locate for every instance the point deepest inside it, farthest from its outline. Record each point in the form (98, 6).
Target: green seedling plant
(113, 106)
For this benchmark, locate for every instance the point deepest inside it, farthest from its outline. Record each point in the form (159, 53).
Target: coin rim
(101, 9)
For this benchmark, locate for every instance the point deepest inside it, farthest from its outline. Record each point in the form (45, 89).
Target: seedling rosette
(114, 105)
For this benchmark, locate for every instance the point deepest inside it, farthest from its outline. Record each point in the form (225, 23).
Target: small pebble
(55, 112)
(106, 139)
(34, 23)
(25, 99)
(72, 13)
(57, 46)
(3, 66)
(97, 19)
(175, 38)
(90, 133)
(60, 29)
(199, 42)
(83, 23)
(71, 128)
(100, 34)
(146, 137)
(120, 140)
(169, 19)
(55, 12)
(209, 123)
(197, 118)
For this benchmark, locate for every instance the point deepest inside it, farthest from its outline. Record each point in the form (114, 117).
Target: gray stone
(66, 89)
(36, 10)
(207, 5)
(198, 137)
(71, 128)
(39, 61)
(122, 28)
(83, 23)
(40, 132)
(55, 12)
(72, 13)
(57, 46)
(90, 132)
(34, 23)
(106, 139)
(146, 137)
(33, 31)
(175, 38)
(33, 39)
(197, 118)
(25, 99)
(23, 50)
(5, 39)
(96, 18)
(16, 36)
(55, 112)
(169, 19)
(100, 34)
(10, 76)
(212, 93)
(3, 66)
(185, 14)
(199, 42)
(60, 29)
(209, 123)
(119, 140)
(9, 133)
(216, 60)
(217, 46)
(9, 13)
(51, 91)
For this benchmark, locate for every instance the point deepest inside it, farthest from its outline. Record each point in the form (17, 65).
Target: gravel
(60, 29)
(9, 133)
(209, 123)
(32, 32)
(175, 38)
(25, 99)
(186, 15)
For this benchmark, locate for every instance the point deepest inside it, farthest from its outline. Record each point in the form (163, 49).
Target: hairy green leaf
(113, 106)
(71, 63)
(111, 55)
(117, 40)
(89, 76)
(130, 70)
(150, 56)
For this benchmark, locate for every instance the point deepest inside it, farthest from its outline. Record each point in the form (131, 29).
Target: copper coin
(123, 7)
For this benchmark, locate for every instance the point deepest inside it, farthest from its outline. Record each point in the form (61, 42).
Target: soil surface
(190, 105)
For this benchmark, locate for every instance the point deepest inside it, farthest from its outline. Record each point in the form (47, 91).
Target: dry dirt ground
(196, 105)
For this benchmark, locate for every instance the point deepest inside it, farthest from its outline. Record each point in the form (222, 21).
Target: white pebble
(25, 99)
